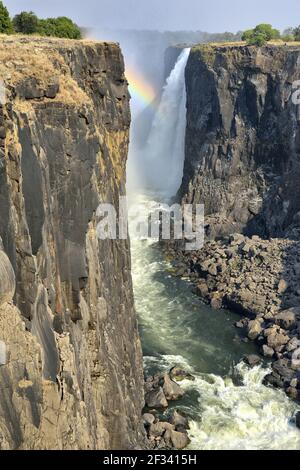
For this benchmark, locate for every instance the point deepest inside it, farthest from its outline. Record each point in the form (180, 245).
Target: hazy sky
(208, 15)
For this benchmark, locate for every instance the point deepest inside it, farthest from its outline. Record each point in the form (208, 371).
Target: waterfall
(163, 156)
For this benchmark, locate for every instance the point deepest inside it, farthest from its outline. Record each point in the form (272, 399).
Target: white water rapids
(227, 404)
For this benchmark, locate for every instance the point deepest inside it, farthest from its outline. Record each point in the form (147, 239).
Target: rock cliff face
(243, 163)
(243, 138)
(70, 356)
(170, 58)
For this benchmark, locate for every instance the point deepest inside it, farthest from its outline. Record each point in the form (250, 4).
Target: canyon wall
(243, 140)
(71, 372)
(242, 161)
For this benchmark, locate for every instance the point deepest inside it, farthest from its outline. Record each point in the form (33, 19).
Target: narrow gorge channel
(228, 405)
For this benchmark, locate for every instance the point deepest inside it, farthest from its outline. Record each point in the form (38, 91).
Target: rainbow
(142, 93)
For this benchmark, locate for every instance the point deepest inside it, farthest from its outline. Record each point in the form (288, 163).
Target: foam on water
(228, 405)
(249, 416)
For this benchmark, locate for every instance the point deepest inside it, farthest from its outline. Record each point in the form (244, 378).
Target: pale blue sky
(208, 15)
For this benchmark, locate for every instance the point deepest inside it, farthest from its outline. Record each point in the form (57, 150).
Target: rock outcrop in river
(71, 365)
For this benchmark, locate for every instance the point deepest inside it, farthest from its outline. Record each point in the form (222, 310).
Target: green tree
(26, 23)
(288, 32)
(61, 27)
(247, 35)
(268, 31)
(260, 35)
(297, 33)
(6, 26)
(257, 40)
(288, 38)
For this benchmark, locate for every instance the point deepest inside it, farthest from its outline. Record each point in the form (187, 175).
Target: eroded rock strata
(243, 162)
(243, 138)
(71, 364)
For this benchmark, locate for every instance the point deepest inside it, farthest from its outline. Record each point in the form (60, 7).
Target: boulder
(179, 421)
(30, 89)
(156, 399)
(267, 351)
(171, 389)
(273, 379)
(175, 439)
(282, 286)
(236, 239)
(298, 420)
(3, 354)
(293, 393)
(254, 329)
(283, 369)
(287, 319)
(293, 344)
(52, 90)
(276, 337)
(178, 374)
(202, 289)
(148, 419)
(7, 279)
(158, 429)
(216, 301)
(252, 360)
(212, 270)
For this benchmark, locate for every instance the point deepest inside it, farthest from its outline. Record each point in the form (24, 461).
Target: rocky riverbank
(160, 390)
(242, 163)
(260, 280)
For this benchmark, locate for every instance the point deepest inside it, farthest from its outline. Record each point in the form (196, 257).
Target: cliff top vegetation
(28, 23)
(263, 33)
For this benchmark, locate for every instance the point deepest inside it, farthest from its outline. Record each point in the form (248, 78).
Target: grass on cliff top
(275, 42)
(208, 50)
(19, 61)
(46, 41)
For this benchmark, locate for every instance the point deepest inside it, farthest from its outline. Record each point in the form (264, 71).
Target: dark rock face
(298, 420)
(170, 58)
(243, 138)
(73, 377)
(242, 163)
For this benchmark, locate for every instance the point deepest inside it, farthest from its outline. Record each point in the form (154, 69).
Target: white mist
(163, 156)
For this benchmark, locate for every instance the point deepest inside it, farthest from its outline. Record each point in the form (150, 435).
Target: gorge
(229, 404)
(82, 319)
(71, 371)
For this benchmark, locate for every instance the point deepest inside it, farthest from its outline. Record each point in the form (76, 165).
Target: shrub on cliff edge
(61, 27)
(297, 33)
(6, 26)
(260, 35)
(26, 23)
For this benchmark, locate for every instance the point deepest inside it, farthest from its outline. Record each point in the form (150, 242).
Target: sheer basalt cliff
(243, 139)
(242, 161)
(70, 358)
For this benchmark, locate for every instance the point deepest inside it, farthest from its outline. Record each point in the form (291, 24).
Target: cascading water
(163, 155)
(228, 404)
